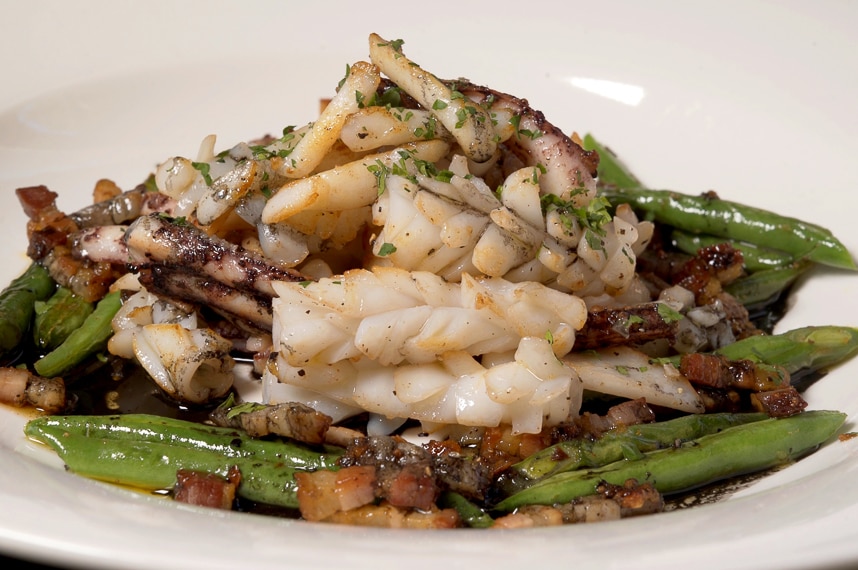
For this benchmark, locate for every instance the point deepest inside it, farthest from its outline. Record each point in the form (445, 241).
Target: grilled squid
(189, 363)
(469, 123)
(405, 344)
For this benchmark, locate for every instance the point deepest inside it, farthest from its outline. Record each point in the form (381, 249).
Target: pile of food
(456, 315)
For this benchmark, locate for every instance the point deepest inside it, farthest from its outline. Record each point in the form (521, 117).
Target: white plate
(753, 100)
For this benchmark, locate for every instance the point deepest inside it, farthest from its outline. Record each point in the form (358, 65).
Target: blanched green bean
(735, 451)
(17, 304)
(629, 443)
(756, 258)
(149, 428)
(58, 316)
(714, 217)
(806, 349)
(765, 285)
(810, 348)
(146, 451)
(85, 341)
(706, 214)
(153, 466)
(471, 514)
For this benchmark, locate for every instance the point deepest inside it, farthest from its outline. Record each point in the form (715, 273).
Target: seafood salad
(453, 313)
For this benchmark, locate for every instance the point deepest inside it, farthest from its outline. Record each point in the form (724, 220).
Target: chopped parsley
(594, 240)
(463, 114)
(386, 249)
(360, 99)
(668, 314)
(149, 183)
(397, 113)
(538, 170)
(633, 320)
(203, 168)
(234, 409)
(261, 152)
(593, 216)
(178, 221)
(346, 76)
(390, 97)
(427, 131)
(429, 169)
(395, 45)
(401, 168)
(515, 121)
(380, 171)
(244, 408)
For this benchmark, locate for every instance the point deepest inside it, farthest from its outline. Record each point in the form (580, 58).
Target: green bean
(149, 428)
(626, 443)
(718, 218)
(806, 349)
(17, 304)
(756, 258)
(811, 348)
(472, 515)
(765, 285)
(612, 171)
(145, 451)
(738, 450)
(58, 316)
(722, 218)
(83, 342)
(153, 466)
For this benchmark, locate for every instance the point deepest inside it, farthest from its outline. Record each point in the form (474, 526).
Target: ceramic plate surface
(753, 100)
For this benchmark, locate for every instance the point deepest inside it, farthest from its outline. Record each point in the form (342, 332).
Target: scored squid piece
(375, 339)
(473, 191)
(569, 169)
(123, 208)
(350, 186)
(227, 190)
(391, 323)
(292, 419)
(374, 127)
(410, 231)
(529, 308)
(105, 243)
(191, 365)
(626, 372)
(362, 81)
(520, 194)
(470, 124)
(498, 252)
(175, 283)
(157, 240)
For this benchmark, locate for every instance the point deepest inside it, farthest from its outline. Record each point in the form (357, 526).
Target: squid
(190, 363)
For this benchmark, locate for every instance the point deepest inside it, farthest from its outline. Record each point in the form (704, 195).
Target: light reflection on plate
(765, 118)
